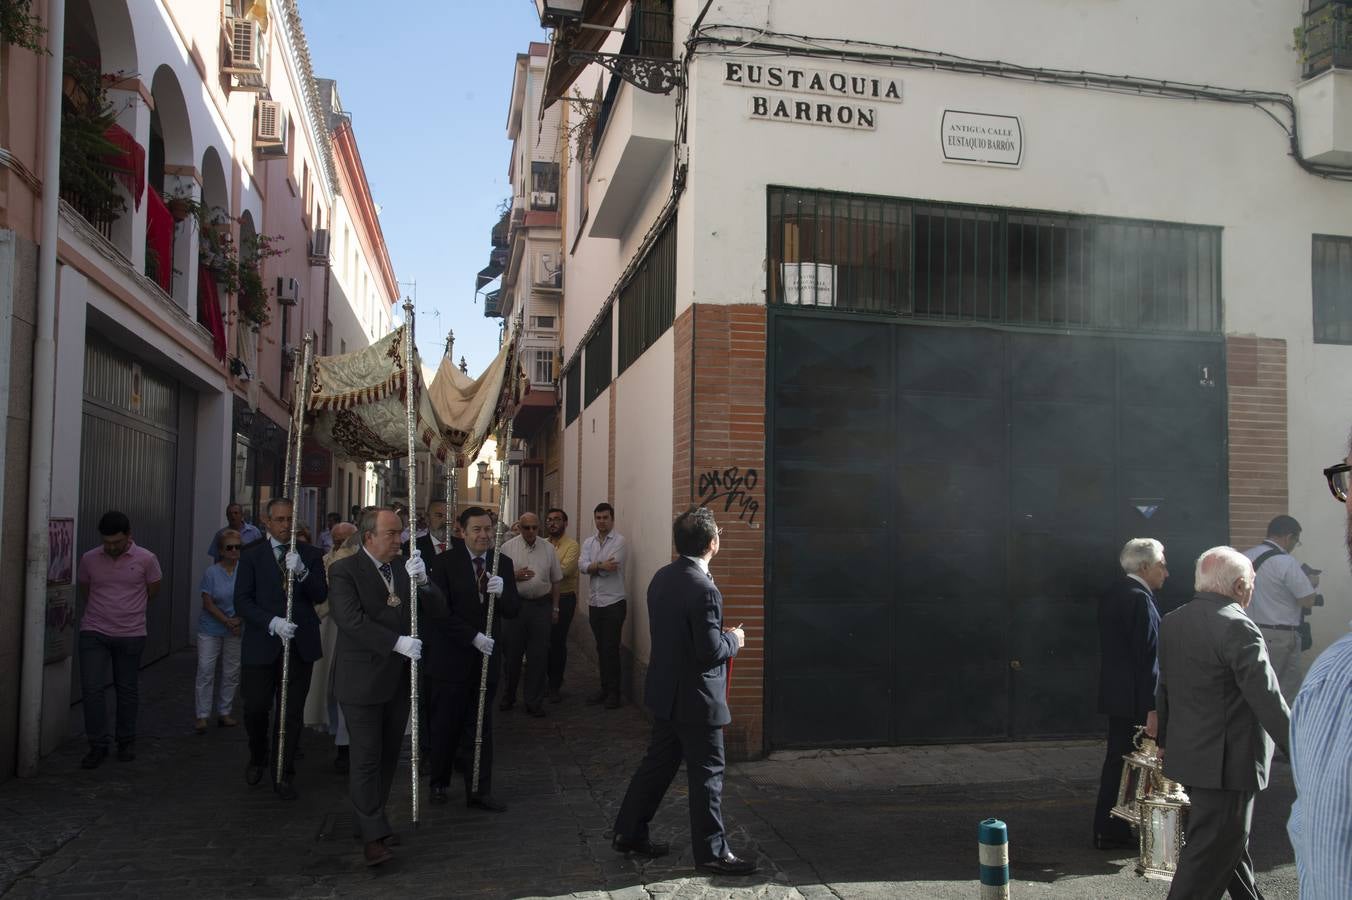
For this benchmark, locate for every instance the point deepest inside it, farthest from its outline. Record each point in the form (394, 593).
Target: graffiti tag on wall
(734, 487)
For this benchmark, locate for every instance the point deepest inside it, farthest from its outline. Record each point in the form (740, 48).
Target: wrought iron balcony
(493, 305)
(1325, 37)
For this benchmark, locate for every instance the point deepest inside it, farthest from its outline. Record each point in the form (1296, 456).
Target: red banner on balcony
(160, 238)
(128, 162)
(209, 311)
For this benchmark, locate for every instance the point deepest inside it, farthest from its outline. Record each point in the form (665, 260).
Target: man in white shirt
(1281, 591)
(538, 574)
(603, 559)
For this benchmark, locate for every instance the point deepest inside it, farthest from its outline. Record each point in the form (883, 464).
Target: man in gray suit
(369, 602)
(1219, 709)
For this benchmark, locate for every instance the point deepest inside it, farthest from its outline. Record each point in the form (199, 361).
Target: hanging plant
(87, 177)
(19, 27)
(182, 205)
(253, 294)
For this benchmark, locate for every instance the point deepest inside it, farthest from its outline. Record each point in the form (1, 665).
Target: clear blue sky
(427, 83)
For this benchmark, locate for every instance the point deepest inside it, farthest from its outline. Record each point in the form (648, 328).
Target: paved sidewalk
(180, 821)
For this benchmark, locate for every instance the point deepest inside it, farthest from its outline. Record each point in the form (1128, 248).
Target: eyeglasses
(230, 547)
(1337, 478)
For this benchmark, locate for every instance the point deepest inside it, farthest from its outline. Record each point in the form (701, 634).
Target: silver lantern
(1164, 814)
(1138, 770)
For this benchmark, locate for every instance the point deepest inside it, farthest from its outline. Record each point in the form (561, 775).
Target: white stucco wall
(643, 462)
(1090, 152)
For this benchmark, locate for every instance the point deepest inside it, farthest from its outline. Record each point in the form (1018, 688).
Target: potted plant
(182, 204)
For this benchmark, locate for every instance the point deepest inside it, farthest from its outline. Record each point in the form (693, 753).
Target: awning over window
(568, 38)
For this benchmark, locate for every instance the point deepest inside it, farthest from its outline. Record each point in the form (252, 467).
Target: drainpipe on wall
(44, 404)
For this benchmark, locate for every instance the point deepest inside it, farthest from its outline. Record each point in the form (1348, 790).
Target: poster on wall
(982, 139)
(60, 551)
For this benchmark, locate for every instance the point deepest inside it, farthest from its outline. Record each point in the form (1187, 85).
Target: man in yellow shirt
(568, 551)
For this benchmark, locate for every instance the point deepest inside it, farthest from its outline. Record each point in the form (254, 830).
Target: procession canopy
(357, 405)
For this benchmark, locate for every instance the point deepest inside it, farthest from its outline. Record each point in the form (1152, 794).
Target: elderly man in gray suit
(1220, 709)
(369, 602)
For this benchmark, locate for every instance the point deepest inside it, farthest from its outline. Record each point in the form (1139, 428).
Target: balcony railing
(1325, 37)
(493, 304)
(99, 219)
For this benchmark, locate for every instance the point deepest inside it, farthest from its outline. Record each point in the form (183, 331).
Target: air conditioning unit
(270, 127)
(288, 290)
(544, 200)
(547, 274)
(244, 47)
(319, 247)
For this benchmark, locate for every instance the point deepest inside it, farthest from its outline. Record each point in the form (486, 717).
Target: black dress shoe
(392, 840)
(285, 790)
(646, 847)
(555, 695)
(728, 864)
(375, 853)
(94, 758)
(253, 773)
(438, 797)
(486, 801)
(126, 752)
(536, 710)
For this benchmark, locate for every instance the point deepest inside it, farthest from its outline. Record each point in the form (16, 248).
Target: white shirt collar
(1136, 577)
(375, 561)
(701, 562)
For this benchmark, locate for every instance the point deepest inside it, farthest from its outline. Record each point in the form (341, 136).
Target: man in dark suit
(1129, 626)
(260, 599)
(369, 601)
(456, 647)
(1220, 709)
(686, 692)
(433, 543)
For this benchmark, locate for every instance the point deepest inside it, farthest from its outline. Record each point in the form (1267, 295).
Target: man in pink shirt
(119, 579)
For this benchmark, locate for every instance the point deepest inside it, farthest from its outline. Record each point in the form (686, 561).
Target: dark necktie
(281, 557)
(481, 576)
(386, 572)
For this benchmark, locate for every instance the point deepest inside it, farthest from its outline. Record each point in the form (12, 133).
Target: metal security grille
(648, 301)
(572, 394)
(596, 360)
(956, 262)
(1332, 277)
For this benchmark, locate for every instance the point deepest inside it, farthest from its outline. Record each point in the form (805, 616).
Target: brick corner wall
(1258, 435)
(719, 461)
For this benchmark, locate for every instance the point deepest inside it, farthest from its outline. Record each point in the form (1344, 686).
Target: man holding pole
(369, 602)
(260, 599)
(460, 687)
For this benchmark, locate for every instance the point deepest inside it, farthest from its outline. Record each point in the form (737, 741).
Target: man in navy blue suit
(1129, 670)
(260, 599)
(686, 692)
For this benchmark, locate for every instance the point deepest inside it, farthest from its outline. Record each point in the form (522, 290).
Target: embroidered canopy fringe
(357, 404)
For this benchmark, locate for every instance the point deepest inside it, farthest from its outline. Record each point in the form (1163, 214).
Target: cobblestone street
(180, 821)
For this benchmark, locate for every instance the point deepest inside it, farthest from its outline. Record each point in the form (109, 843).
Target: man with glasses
(1281, 591)
(538, 574)
(260, 599)
(1321, 756)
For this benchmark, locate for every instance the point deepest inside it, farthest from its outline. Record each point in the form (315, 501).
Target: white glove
(281, 628)
(294, 565)
(409, 646)
(495, 585)
(484, 644)
(416, 569)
